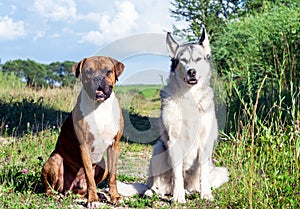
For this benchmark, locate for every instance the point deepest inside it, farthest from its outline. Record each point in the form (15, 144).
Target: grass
(271, 178)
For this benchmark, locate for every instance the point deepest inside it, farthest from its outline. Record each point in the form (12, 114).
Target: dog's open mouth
(192, 81)
(100, 96)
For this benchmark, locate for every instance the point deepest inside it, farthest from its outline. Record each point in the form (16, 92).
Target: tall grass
(255, 46)
(24, 109)
(258, 60)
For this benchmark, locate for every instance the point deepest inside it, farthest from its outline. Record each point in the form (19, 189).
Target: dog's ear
(205, 42)
(77, 67)
(172, 45)
(118, 67)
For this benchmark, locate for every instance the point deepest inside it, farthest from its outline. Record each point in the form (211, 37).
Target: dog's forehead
(189, 51)
(98, 63)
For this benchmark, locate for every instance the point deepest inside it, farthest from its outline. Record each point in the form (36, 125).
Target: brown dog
(94, 126)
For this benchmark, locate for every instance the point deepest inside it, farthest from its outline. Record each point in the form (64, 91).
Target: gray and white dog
(182, 158)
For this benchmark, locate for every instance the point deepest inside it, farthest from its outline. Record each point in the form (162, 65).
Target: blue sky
(59, 30)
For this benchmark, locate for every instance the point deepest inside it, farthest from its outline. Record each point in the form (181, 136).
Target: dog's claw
(93, 205)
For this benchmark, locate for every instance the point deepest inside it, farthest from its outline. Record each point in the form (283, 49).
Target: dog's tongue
(100, 95)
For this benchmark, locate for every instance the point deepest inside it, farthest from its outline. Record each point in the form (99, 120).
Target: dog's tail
(131, 189)
(218, 176)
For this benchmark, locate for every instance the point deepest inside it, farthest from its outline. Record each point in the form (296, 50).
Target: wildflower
(214, 160)
(25, 171)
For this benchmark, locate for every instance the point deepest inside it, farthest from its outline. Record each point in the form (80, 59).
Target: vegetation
(217, 14)
(253, 48)
(41, 75)
(257, 61)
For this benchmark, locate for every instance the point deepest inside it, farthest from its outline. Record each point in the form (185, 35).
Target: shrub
(251, 48)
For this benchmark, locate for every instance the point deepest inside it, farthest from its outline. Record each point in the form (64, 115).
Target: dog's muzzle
(98, 89)
(103, 92)
(191, 79)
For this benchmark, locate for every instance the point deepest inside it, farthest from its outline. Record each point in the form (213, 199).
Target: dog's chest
(104, 124)
(185, 119)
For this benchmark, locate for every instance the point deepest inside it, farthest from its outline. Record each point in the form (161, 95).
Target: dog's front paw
(179, 197)
(116, 200)
(207, 197)
(93, 205)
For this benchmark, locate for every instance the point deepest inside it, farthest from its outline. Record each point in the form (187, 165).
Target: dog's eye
(184, 60)
(108, 72)
(198, 59)
(89, 72)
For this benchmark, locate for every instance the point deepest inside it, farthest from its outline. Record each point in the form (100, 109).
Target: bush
(251, 48)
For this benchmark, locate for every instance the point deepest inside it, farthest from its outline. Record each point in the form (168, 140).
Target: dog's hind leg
(191, 180)
(53, 174)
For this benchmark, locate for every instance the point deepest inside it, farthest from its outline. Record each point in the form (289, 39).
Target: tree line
(37, 75)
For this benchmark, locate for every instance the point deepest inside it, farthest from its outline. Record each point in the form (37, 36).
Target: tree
(60, 73)
(38, 75)
(32, 72)
(212, 14)
(215, 14)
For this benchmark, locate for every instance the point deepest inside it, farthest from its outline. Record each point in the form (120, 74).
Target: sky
(133, 31)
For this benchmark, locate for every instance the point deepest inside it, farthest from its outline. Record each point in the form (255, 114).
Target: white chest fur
(189, 119)
(103, 121)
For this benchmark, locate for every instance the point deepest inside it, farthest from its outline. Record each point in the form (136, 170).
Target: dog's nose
(191, 72)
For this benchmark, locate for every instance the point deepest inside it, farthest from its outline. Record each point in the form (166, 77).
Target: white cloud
(94, 37)
(113, 27)
(56, 10)
(92, 17)
(13, 9)
(39, 34)
(55, 35)
(10, 30)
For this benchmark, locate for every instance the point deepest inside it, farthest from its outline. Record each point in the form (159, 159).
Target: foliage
(33, 73)
(262, 45)
(60, 73)
(216, 14)
(38, 75)
(212, 14)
